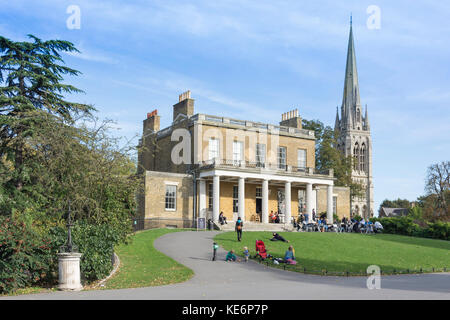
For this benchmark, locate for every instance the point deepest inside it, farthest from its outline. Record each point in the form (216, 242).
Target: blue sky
(257, 59)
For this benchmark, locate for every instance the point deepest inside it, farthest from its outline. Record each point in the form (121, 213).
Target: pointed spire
(337, 126)
(366, 120)
(351, 97)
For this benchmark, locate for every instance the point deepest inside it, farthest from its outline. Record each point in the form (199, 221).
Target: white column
(265, 201)
(287, 200)
(309, 202)
(202, 199)
(241, 198)
(330, 204)
(216, 198)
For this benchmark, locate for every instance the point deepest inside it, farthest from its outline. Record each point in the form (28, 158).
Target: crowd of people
(321, 224)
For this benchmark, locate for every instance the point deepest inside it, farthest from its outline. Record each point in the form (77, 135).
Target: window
(235, 199)
(282, 158)
(260, 155)
(362, 158)
(213, 149)
(171, 197)
(258, 192)
(301, 201)
(238, 148)
(356, 157)
(334, 205)
(301, 159)
(210, 196)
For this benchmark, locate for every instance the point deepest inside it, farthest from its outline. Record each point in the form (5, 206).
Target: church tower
(354, 138)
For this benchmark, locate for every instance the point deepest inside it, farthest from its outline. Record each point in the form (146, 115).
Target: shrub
(25, 257)
(408, 226)
(95, 242)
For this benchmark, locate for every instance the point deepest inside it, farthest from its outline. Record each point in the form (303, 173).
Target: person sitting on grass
(277, 237)
(231, 256)
(289, 256)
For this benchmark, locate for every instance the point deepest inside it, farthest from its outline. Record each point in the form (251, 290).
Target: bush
(25, 257)
(95, 242)
(407, 226)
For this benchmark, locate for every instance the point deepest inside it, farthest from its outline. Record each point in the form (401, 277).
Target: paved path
(235, 281)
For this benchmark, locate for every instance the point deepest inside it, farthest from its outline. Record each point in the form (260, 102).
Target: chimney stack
(291, 119)
(152, 121)
(184, 106)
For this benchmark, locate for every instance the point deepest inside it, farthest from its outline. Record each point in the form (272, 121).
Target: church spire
(366, 120)
(337, 125)
(351, 99)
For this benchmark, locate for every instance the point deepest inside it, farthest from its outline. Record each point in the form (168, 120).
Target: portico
(279, 191)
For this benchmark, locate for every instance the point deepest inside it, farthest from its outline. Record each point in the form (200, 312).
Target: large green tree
(31, 80)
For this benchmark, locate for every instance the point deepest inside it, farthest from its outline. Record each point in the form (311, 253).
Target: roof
(393, 212)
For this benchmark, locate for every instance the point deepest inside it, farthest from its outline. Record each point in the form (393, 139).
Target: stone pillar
(287, 200)
(265, 201)
(309, 204)
(69, 271)
(330, 204)
(202, 199)
(241, 198)
(216, 198)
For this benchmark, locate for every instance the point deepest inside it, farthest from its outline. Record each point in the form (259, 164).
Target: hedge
(409, 226)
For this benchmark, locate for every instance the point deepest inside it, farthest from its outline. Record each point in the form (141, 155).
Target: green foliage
(54, 152)
(25, 256)
(95, 242)
(408, 225)
(357, 217)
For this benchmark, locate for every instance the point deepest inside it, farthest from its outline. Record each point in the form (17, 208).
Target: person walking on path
(215, 247)
(238, 228)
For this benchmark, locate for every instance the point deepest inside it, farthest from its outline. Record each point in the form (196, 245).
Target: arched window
(356, 157)
(362, 159)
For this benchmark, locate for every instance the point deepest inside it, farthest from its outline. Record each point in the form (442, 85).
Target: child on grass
(246, 254)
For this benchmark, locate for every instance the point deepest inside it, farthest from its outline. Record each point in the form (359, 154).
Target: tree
(31, 75)
(437, 187)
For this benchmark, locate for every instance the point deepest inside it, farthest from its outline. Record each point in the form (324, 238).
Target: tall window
(258, 192)
(171, 197)
(301, 201)
(301, 159)
(238, 151)
(210, 196)
(260, 155)
(356, 156)
(235, 199)
(282, 158)
(213, 148)
(362, 161)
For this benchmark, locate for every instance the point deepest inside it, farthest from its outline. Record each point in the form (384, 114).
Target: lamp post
(69, 262)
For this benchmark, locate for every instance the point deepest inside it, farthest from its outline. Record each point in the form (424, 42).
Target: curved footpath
(235, 281)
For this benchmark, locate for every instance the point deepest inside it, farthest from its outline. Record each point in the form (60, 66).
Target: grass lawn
(350, 252)
(141, 265)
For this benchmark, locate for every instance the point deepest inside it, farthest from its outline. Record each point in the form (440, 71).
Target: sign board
(201, 223)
